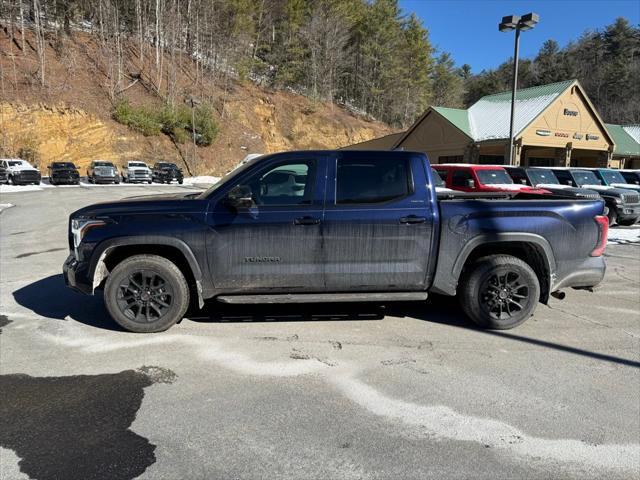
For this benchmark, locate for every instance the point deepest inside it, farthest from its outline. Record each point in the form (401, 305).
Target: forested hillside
(210, 77)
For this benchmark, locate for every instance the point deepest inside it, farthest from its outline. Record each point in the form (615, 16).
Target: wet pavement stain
(4, 321)
(77, 427)
(23, 255)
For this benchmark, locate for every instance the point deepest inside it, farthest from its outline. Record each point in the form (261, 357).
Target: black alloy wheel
(146, 293)
(145, 296)
(499, 291)
(504, 295)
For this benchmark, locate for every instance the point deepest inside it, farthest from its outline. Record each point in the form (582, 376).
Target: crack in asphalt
(29, 254)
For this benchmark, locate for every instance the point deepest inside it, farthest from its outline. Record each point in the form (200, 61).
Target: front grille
(631, 198)
(28, 175)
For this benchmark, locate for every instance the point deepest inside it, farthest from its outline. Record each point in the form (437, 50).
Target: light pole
(514, 22)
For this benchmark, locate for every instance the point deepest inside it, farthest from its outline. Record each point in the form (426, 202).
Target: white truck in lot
(136, 172)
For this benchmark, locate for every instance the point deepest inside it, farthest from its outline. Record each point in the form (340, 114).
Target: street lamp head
(524, 23)
(510, 22)
(528, 21)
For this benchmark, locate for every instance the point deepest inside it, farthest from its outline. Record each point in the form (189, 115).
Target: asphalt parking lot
(331, 391)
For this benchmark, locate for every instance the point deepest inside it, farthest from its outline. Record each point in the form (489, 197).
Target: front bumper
(25, 178)
(139, 178)
(102, 179)
(627, 212)
(65, 178)
(76, 275)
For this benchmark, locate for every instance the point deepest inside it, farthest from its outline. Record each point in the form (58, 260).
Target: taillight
(603, 229)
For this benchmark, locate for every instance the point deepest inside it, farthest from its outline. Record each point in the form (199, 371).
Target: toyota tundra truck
(333, 226)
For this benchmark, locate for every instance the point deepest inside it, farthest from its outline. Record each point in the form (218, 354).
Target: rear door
(377, 222)
(277, 243)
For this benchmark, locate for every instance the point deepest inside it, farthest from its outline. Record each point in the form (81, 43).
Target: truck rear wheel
(146, 294)
(499, 292)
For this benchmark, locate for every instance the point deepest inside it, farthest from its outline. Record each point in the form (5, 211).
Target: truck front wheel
(146, 294)
(499, 292)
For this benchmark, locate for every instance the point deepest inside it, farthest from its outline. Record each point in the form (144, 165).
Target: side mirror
(240, 198)
(471, 183)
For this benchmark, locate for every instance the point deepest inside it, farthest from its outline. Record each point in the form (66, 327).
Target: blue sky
(468, 29)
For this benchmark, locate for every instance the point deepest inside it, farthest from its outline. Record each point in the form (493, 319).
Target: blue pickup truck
(333, 226)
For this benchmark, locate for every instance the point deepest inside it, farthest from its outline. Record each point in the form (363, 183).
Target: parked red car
(482, 178)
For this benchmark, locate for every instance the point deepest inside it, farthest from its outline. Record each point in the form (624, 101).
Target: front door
(378, 224)
(277, 242)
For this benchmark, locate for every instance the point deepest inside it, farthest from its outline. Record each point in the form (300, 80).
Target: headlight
(80, 226)
(618, 200)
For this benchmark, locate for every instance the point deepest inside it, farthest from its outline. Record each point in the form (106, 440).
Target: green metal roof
(531, 92)
(457, 116)
(624, 143)
(489, 116)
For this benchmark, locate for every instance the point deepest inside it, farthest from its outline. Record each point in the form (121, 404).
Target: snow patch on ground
(4, 206)
(202, 179)
(624, 235)
(19, 188)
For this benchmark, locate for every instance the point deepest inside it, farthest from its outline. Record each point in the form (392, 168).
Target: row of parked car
(620, 189)
(20, 172)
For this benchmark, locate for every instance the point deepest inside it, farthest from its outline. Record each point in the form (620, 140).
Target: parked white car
(136, 172)
(20, 172)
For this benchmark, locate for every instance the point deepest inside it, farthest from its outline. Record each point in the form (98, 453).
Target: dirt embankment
(70, 118)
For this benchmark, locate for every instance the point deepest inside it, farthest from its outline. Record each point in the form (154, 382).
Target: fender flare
(98, 270)
(447, 276)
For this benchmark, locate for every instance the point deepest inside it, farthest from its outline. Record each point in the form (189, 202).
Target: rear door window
(371, 181)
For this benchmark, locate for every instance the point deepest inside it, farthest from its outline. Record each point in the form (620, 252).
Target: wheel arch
(110, 253)
(533, 249)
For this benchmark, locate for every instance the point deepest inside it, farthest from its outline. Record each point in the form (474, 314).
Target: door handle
(306, 221)
(411, 219)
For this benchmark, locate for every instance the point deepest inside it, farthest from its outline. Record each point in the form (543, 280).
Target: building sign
(578, 136)
(561, 134)
(543, 133)
(570, 113)
(592, 137)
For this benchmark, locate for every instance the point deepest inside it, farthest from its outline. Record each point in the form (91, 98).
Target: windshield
(102, 164)
(583, 177)
(437, 179)
(611, 176)
(228, 175)
(542, 177)
(494, 177)
(63, 165)
(15, 163)
(167, 165)
(137, 164)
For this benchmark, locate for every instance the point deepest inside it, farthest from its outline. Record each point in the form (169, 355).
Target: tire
(51, 181)
(180, 181)
(149, 182)
(490, 306)
(613, 217)
(627, 223)
(132, 314)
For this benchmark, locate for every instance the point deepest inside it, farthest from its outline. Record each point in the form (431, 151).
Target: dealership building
(555, 125)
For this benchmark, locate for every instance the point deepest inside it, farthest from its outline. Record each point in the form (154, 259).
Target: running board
(324, 297)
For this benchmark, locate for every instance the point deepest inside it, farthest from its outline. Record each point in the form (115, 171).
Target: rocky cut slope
(71, 117)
